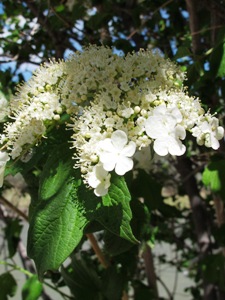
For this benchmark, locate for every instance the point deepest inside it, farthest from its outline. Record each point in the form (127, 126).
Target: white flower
(208, 132)
(4, 157)
(116, 153)
(99, 179)
(162, 126)
(4, 108)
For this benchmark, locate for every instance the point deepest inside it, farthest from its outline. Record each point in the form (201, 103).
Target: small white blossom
(99, 179)
(162, 126)
(116, 154)
(208, 132)
(4, 157)
(4, 107)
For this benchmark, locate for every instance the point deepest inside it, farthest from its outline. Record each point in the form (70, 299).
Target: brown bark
(200, 220)
(150, 271)
(192, 7)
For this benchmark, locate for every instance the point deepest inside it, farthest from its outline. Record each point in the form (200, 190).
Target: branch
(200, 219)
(97, 250)
(192, 6)
(150, 272)
(13, 208)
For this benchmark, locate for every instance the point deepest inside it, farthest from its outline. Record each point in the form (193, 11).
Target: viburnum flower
(116, 106)
(99, 179)
(164, 128)
(116, 153)
(208, 132)
(4, 157)
(4, 107)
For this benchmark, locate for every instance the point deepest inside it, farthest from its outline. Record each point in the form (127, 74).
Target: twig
(154, 12)
(176, 275)
(165, 287)
(97, 250)
(149, 268)
(14, 208)
(162, 6)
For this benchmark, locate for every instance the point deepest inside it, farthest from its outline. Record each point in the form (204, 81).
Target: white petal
(205, 127)
(106, 145)
(100, 190)
(119, 139)
(2, 171)
(180, 132)
(155, 128)
(100, 172)
(211, 141)
(93, 181)
(124, 164)
(108, 160)
(160, 147)
(160, 110)
(175, 147)
(129, 149)
(220, 133)
(177, 114)
(4, 156)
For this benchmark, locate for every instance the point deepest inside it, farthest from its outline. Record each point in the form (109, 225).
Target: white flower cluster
(4, 107)
(118, 105)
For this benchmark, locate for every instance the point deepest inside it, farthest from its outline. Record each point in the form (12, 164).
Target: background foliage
(182, 201)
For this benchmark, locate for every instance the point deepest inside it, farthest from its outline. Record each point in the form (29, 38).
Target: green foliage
(214, 177)
(12, 234)
(82, 280)
(8, 286)
(32, 289)
(63, 210)
(85, 283)
(58, 220)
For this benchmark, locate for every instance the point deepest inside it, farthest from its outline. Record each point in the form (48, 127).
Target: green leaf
(13, 167)
(82, 280)
(182, 52)
(56, 171)
(213, 269)
(214, 176)
(66, 206)
(8, 286)
(32, 289)
(115, 213)
(142, 292)
(217, 58)
(115, 245)
(148, 188)
(58, 219)
(56, 228)
(59, 8)
(12, 235)
(113, 283)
